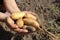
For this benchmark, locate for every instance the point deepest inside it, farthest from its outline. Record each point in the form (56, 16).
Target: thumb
(7, 13)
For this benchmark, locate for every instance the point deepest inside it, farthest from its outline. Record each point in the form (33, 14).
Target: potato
(31, 22)
(20, 23)
(17, 15)
(30, 28)
(30, 16)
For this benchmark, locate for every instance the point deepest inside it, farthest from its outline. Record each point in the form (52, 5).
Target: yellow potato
(31, 22)
(20, 23)
(17, 15)
(30, 16)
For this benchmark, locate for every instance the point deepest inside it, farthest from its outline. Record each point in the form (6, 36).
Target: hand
(13, 26)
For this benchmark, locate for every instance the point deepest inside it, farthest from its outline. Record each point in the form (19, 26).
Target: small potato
(31, 22)
(20, 23)
(30, 16)
(17, 15)
(30, 28)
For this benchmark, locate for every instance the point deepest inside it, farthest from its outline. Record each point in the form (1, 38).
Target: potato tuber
(30, 28)
(30, 16)
(17, 15)
(20, 23)
(31, 22)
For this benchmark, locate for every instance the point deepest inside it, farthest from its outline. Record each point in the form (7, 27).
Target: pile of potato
(25, 21)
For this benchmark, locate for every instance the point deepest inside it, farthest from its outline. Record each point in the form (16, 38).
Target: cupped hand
(13, 26)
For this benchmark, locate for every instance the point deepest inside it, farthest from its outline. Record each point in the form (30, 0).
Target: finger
(11, 23)
(7, 13)
(9, 20)
(30, 12)
(2, 16)
(20, 30)
(33, 13)
(13, 26)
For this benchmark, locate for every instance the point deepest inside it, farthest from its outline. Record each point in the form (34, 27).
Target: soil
(49, 17)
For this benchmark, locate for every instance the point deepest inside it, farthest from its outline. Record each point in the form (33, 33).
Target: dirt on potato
(49, 19)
